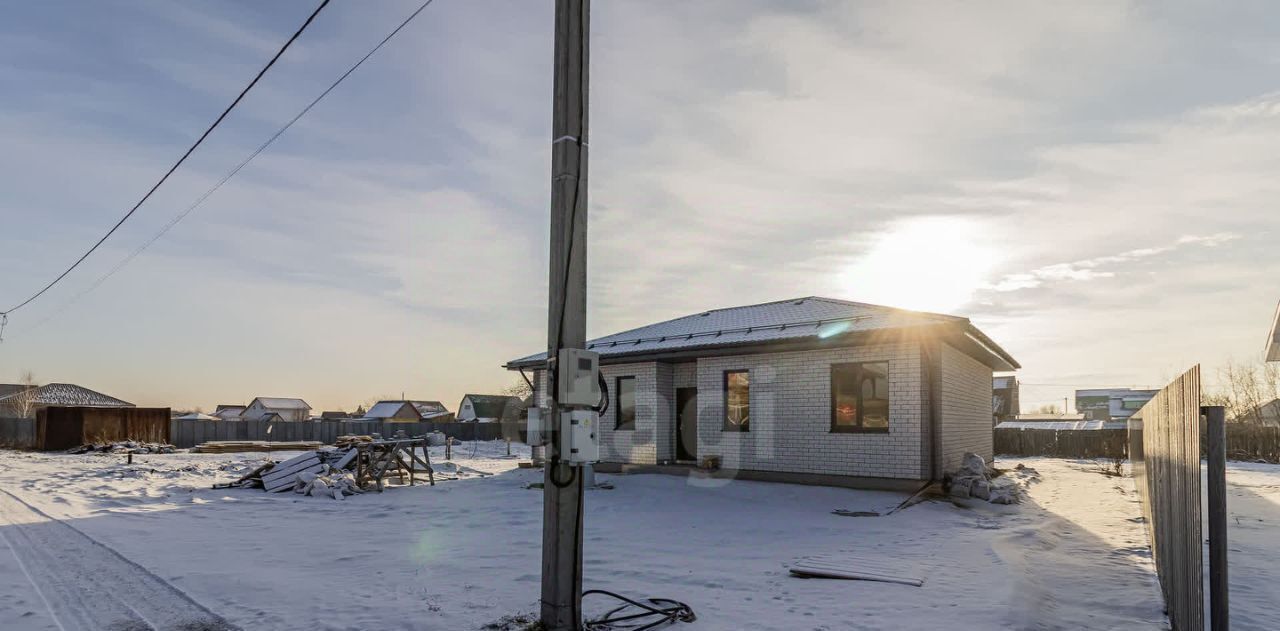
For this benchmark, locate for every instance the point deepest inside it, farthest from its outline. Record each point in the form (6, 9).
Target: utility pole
(567, 312)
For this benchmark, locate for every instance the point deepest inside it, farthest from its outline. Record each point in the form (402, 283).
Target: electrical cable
(233, 172)
(177, 164)
(665, 610)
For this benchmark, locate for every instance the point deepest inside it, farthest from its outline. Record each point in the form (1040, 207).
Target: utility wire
(177, 164)
(232, 173)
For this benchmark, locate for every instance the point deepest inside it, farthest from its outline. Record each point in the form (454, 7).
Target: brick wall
(652, 434)
(965, 408)
(791, 415)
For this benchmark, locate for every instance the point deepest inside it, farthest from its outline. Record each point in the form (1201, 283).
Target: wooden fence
(1164, 448)
(1063, 443)
(1253, 442)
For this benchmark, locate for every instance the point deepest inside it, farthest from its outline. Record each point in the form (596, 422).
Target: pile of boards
(278, 477)
(233, 446)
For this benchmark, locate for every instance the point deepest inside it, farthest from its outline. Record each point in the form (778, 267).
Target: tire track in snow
(90, 587)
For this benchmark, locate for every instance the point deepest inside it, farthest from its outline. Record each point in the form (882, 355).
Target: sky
(1093, 184)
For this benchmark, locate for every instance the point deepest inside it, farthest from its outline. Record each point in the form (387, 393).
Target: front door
(687, 424)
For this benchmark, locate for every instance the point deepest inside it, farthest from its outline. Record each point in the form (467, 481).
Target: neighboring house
(393, 412)
(1272, 350)
(489, 408)
(1004, 398)
(196, 416)
(17, 399)
(337, 415)
(433, 411)
(1111, 404)
(229, 412)
(806, 390)
(285, 409)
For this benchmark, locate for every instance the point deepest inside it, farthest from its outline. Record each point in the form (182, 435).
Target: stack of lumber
(233, 446)
(351, 441)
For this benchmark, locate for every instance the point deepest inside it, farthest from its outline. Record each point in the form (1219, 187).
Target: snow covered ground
(465, 553)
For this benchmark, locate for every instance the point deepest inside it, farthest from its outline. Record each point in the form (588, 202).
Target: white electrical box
(579, 438)
(578, 383)
(536, 430)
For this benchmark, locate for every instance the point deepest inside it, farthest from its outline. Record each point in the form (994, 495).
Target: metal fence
(1062, 443)
(1164, 448)
(22, 433)
(189, 432)
(18, 433)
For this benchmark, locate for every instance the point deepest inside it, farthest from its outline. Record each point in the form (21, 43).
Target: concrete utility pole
(567, 313)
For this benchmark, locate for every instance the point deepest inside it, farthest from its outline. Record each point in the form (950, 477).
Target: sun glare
(927, 264)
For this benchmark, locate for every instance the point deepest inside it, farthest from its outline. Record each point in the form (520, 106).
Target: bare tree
(519, 389)
(1049, 409)
(23, 404)
(1247, 390)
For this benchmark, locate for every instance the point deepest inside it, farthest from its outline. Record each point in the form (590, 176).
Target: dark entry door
(686, 423)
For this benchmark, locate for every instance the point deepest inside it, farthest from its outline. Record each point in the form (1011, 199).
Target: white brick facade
(965, 408)
(790, 428)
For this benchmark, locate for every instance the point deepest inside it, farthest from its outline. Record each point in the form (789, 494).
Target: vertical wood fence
(1164, 448)
(1062, 443)
(187, 433)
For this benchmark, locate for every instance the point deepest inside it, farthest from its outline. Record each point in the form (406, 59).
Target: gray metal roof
(795, 320)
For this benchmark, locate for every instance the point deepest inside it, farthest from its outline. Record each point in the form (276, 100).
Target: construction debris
(359, 463)
(975, 480)
(233, 446)
(125, 447)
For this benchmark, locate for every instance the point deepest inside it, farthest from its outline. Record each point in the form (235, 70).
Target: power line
(232, 173)
(177, 164)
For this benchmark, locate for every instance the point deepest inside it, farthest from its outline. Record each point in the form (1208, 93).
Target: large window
(626, 410)
(860, 397)
(737, 401)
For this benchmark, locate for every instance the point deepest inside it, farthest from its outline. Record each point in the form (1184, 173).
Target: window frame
(617, 399)
(725, 425)
(859, 428)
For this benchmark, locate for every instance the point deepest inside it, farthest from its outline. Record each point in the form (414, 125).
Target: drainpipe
(930, 361)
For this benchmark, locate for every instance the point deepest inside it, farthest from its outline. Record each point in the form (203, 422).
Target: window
(625, 387)
(860, 397)
(737, 401)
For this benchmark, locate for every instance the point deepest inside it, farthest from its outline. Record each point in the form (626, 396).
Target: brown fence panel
(1064, 443)
(1165, 452)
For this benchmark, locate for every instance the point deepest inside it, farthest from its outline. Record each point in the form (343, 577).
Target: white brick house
(808, 390)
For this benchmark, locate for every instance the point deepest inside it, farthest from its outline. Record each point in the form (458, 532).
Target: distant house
(393, 412)
(25, 400)
(285, 409)
(1004, 398)
(489, 408)
(813, 389)
(1111, 404)
(433, 411)
(196, 416)
(229, 412)
(337, 415)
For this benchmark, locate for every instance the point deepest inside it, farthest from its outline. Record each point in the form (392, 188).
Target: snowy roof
(494, 405)
(799, 320)
(1063, 425)
(429, 408)
(278, 403)
(196, 416)
(388, 409)
(67, 394)
(232, 408)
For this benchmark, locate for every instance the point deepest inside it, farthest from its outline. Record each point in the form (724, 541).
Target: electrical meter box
(577, 377)
(579, 438)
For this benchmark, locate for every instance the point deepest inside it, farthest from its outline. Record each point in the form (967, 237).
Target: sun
(923, 263)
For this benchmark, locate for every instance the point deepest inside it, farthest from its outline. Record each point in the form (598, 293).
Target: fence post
(1215, 428)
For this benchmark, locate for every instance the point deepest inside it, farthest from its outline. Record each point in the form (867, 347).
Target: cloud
(1094, 268)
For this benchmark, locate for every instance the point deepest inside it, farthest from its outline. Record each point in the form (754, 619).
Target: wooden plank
(287, 482)
(283, 470)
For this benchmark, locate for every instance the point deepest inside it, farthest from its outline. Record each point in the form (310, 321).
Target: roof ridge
(856, 303)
